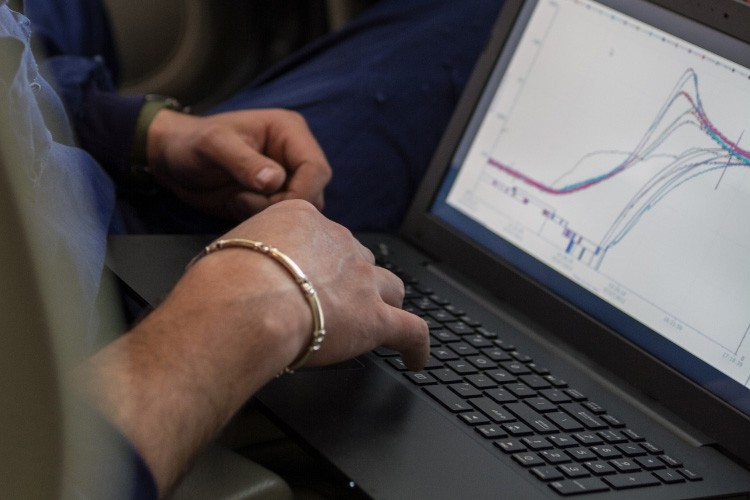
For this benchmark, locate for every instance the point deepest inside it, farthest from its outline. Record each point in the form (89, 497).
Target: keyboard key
(463, 349)
(669, 476)
(612, 437)
(432, 323)
(631, 450)
(581, 454)
(564, 421)
(650, 463)
(547, 473)
(495, 354)
(575, 394)
(541, 405)
(491, 431)
(555, 457)
(473, 418)
(481, 362)
(510, 445)
(612, 421)
(472, 322)
(433, 363)
(690, 475)
(424, 304)
(584, 416)
(606, 451)
(523, 358)
(534, 381)
(574, 470)
(594, 408)
(397, 363)
(444, 336)
(556, 382)
(587, 438)
(501, 396)
(478, 341)
(539, 370)
(521, 390)
(515, 368)
(501, 376)
(536, 443)
(487, 333)
(632, 435)
(448, 398)
(443, 354)
(528, 459)
(624, 465)
(481, 381)
(637, 480)
(600, 468)
(579, 486)
(651, 448)
(461, 367)
(531, 418)
(555, 396)
(461, 328)
(506, 346)
(465, 390)
(441, 315)
(438, 299)
(562, 441)
(518, 429)
(446, 376)
(494, 411)
(456, 311)
(669, 461)
(420, 378)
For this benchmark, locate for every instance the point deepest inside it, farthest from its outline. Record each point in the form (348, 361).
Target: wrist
(152, 105)
(291, 267)
(257, 305)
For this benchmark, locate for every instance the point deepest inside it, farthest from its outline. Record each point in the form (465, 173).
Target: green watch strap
(152, 105)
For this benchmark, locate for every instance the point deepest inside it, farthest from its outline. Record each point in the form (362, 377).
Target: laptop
(579, 250)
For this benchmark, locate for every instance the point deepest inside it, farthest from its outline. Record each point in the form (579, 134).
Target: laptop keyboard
(554, 431)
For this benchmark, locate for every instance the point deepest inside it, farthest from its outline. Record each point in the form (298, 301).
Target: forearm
(174, 381)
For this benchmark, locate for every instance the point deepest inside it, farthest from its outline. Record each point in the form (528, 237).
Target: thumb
(250, 168)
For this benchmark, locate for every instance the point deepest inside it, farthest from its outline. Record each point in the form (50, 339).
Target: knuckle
(208, 134)
(300, 205)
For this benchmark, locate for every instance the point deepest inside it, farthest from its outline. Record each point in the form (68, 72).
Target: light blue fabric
(72, 197)
(69, 202)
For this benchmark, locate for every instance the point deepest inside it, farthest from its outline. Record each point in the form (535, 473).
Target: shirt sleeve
(104, 121)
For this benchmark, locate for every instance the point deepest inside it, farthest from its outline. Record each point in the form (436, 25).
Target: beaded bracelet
(319, 332)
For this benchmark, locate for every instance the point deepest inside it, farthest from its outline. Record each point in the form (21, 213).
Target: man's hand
(233, 165)
(361, 302)
(233, 322)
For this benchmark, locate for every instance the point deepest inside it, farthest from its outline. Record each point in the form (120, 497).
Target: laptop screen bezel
(604, 346)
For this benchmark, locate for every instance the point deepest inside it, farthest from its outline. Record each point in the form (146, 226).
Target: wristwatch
(152, 104)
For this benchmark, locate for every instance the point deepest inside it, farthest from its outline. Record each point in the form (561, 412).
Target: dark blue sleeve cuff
(105, 126)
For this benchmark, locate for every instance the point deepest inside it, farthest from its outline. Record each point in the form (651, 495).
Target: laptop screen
(609, 160)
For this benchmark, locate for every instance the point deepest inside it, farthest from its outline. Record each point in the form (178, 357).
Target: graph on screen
(620, 156)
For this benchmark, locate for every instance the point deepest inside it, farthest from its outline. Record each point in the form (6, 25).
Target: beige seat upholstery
(224, 475)
(188, 49)
(198, 51)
